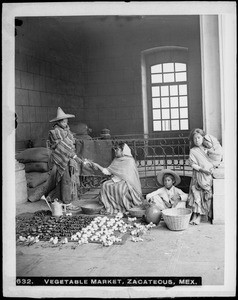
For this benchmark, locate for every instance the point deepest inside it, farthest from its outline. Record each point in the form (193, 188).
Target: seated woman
(123, 190)
(200, 191)
(169, 196)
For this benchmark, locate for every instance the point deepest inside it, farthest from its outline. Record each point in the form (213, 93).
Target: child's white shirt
(166, 194)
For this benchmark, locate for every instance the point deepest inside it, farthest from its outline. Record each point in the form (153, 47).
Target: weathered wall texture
(113, 82)
(46, 76)
(91, 66)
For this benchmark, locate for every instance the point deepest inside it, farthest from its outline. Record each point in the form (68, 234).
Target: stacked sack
(36, 161)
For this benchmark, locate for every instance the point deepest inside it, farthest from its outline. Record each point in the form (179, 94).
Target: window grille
(169, 96)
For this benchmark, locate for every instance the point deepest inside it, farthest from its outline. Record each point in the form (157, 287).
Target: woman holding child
(203, 165)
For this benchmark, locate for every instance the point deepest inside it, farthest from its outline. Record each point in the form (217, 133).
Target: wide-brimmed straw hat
(61, 115)
(161, 174)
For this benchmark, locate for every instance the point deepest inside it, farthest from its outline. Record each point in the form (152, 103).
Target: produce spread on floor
(81, 229)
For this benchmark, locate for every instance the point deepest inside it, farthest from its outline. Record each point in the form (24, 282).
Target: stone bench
(218, 196)
(218, 201)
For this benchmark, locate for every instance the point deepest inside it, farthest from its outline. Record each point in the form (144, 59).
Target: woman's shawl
(200, 158)
(125, 168)
(62, 145)
(216, 146)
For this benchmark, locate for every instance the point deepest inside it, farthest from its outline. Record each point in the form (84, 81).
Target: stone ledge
(219, 173)
(218, 186)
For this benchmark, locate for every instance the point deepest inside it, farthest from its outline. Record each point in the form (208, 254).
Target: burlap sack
(38, 154)
(35, 194)
(36, 178)
(36, 167)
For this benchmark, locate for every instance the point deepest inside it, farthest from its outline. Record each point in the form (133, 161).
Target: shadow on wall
(150, 184)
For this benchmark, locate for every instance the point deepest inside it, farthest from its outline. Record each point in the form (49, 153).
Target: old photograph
(119, 149)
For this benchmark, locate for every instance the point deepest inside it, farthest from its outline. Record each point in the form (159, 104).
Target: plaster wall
(91, 66)
(113, 75)
(47, 75)
(211, 82)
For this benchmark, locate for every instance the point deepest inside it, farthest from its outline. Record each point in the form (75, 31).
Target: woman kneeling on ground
(123, 190)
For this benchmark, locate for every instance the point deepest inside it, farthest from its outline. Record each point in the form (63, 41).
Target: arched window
(167, 89)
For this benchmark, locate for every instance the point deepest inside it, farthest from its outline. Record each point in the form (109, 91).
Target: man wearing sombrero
(168, 196)
(64, 161)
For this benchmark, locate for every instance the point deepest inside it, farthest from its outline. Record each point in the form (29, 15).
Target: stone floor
(196, 251)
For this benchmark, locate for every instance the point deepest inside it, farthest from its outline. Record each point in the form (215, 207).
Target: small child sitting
(168, 196)
(214, 149)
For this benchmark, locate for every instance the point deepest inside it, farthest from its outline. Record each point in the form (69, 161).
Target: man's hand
(78, 160)
(87, 161)
(95, 165)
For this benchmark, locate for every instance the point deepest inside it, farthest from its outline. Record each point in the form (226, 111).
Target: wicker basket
(177, 218)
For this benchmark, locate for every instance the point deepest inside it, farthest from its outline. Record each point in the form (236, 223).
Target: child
(214, 149)
(168, 196)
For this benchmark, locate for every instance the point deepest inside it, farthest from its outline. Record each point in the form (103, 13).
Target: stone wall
(46, 77)
(91, 66)
(113, 77)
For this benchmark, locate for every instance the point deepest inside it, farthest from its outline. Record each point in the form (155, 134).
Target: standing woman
(200, 192)
(123, 190)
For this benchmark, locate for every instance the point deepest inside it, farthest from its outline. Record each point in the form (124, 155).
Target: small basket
(137, 212)
(177, 218)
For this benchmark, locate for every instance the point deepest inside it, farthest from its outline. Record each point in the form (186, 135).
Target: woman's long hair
(191, 135)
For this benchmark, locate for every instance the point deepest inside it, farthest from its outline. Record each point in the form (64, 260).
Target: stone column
(210, 67)
(21, 184)
(218, 196)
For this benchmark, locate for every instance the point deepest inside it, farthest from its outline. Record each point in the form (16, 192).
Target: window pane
(166, 125)
(183, 113)
(168, 67)
(165, 102)
(169, 91)
(156, 114)
(183, 124)
(156, 78)
(165, 113)
(156, 69)
(181, 76)
(175, 125)
(157, 125)
(173, 90)
(164, 90)
(155, 91)
(183, 101)
(183, 89)
(156, 102)
(174, 101)
(180, 67)
(174, 113)
(169, 77)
